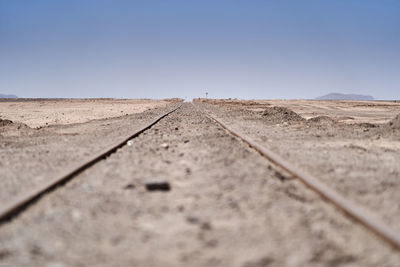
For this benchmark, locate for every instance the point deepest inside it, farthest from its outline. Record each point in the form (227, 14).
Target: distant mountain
(338, 96)
(8, 96)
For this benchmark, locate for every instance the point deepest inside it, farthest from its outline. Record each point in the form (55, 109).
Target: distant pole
(206, 94)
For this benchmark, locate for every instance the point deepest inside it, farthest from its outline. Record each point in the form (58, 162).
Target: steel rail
(363, 216)
(12, 208)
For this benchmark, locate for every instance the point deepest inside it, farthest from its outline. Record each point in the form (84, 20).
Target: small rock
(176, 128)
(129, 143)
(212, 243)
(205, 226)
(280, 176)
(158, 186)
(181, 208)
(129, 186)
(192, 219)
(196, 220)
(35, 250)
(186, 141)
(165, 145)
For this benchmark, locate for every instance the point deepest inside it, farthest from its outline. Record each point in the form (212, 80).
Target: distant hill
(338, 96)
(8, 96)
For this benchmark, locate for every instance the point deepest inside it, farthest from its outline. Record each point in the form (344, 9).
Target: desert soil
(359, 159)
(29, 156)
(225, 204)
(42, 112)
(343, 111)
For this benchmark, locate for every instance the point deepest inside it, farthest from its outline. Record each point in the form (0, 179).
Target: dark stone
(192, 219)
(206, 226)
(158, 186)
(280, 176)
(129, 186)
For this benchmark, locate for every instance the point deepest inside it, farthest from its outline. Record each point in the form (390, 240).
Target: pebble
(192, 219)
(165, 145)
(129, 186)
(129, 143)
(158, 186)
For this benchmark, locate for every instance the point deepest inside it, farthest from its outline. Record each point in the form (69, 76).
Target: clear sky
(239, 49)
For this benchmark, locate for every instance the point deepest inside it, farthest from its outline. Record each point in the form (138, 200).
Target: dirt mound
(322, 120)
(366, 125)
(390, 129)
(281, 114)
(395, 123)
(10, 128)
(174, 99)
(232, 102)
(5, 122)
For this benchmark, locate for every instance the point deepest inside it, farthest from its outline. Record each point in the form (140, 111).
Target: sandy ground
(226, 205)
(39, 113)
(360, 160)
(29, 156)
(349, 112)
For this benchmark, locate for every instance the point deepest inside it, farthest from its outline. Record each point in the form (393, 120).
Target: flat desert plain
(221, 203)
(43, 112)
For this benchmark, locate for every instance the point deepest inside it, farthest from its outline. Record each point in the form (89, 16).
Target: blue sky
(239, 49)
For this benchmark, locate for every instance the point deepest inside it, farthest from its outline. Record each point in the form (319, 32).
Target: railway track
(360, 214)
(12, 208)
(366, 218)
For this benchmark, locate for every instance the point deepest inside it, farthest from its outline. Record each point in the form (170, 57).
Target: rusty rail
(363, 216)
(22, 201)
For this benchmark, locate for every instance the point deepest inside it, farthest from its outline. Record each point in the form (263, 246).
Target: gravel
(229, 209)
